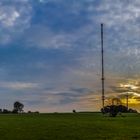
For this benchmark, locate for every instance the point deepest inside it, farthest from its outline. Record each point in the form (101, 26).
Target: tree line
(17, 109)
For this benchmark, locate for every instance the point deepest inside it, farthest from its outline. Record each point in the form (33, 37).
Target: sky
(50, 56)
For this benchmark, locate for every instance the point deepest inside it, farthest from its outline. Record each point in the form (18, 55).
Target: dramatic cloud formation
(50, 52)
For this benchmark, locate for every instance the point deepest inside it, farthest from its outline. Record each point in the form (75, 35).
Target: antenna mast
(102, 52)
(127, 100)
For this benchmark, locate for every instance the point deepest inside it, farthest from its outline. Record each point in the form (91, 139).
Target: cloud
(128, 88)
(45, 38)
(18, 85)
(119, 13)
(8, 19)
(60, 47)
(15, 17)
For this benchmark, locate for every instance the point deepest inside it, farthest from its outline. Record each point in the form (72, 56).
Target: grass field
(86, 126)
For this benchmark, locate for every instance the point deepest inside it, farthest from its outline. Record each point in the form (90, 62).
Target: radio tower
(102, 52)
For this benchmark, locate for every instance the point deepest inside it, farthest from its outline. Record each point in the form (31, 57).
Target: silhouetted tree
(15, 111)
(132, 111)
(113, 110)
(74, 111)
(36, 112)
(18, 107)
(29, 112)
(5, 111)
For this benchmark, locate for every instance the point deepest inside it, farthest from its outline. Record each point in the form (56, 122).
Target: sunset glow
(50, 53)
(129, 86)
(131, 101)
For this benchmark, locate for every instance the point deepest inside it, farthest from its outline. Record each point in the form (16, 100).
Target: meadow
(69, 126)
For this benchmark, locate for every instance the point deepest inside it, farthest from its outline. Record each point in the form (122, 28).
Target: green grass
(86, 126)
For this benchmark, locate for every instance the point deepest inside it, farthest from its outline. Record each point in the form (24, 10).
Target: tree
(29, 111)
(74, 111)
(18, 107)
(113, 110)
(5, 111)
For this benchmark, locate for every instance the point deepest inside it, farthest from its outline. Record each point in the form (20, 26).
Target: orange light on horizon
(131, 101)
